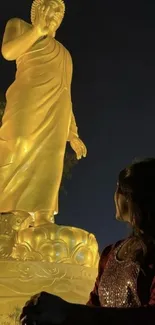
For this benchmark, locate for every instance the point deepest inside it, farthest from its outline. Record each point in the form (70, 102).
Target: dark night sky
(113, 48)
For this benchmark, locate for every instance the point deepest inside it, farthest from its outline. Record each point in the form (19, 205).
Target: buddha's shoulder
(18, 23)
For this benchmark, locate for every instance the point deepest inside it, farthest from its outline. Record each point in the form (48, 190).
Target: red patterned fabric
(145, 284)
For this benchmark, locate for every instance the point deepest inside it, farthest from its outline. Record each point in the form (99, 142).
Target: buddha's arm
(73, 131)
(15, 41)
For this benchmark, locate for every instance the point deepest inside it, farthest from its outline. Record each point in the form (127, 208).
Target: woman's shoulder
(106, 253)
(109, 248)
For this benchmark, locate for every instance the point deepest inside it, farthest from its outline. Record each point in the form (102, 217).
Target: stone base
(58, 259)
(21, 280)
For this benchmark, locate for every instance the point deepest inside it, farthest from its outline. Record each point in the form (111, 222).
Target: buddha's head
(55, 13)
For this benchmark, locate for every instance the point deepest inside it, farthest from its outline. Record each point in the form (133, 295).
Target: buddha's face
(55, 15)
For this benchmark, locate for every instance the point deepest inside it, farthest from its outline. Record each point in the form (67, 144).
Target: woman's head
(135, 196)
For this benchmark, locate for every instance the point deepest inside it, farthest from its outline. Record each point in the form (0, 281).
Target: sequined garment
(118, 284)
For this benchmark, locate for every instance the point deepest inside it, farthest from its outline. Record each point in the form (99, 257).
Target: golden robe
(36, 125)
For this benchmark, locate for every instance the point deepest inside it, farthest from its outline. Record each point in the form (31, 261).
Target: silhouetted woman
(125, 286)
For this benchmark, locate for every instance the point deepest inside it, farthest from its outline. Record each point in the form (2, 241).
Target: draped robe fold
(35, 129)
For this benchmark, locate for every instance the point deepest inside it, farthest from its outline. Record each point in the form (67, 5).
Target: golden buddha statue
(38, 119)
(37, 123)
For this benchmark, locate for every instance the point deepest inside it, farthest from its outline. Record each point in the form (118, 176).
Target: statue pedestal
(21, 280)
(57, 259)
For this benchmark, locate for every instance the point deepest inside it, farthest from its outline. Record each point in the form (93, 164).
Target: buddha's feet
(43, 217)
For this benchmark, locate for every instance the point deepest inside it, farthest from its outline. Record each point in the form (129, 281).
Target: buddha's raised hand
(41, 20)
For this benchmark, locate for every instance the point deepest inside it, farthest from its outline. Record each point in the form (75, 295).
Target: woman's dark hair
(137, 184)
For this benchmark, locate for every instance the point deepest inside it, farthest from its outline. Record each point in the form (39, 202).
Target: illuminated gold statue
(38, 119)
